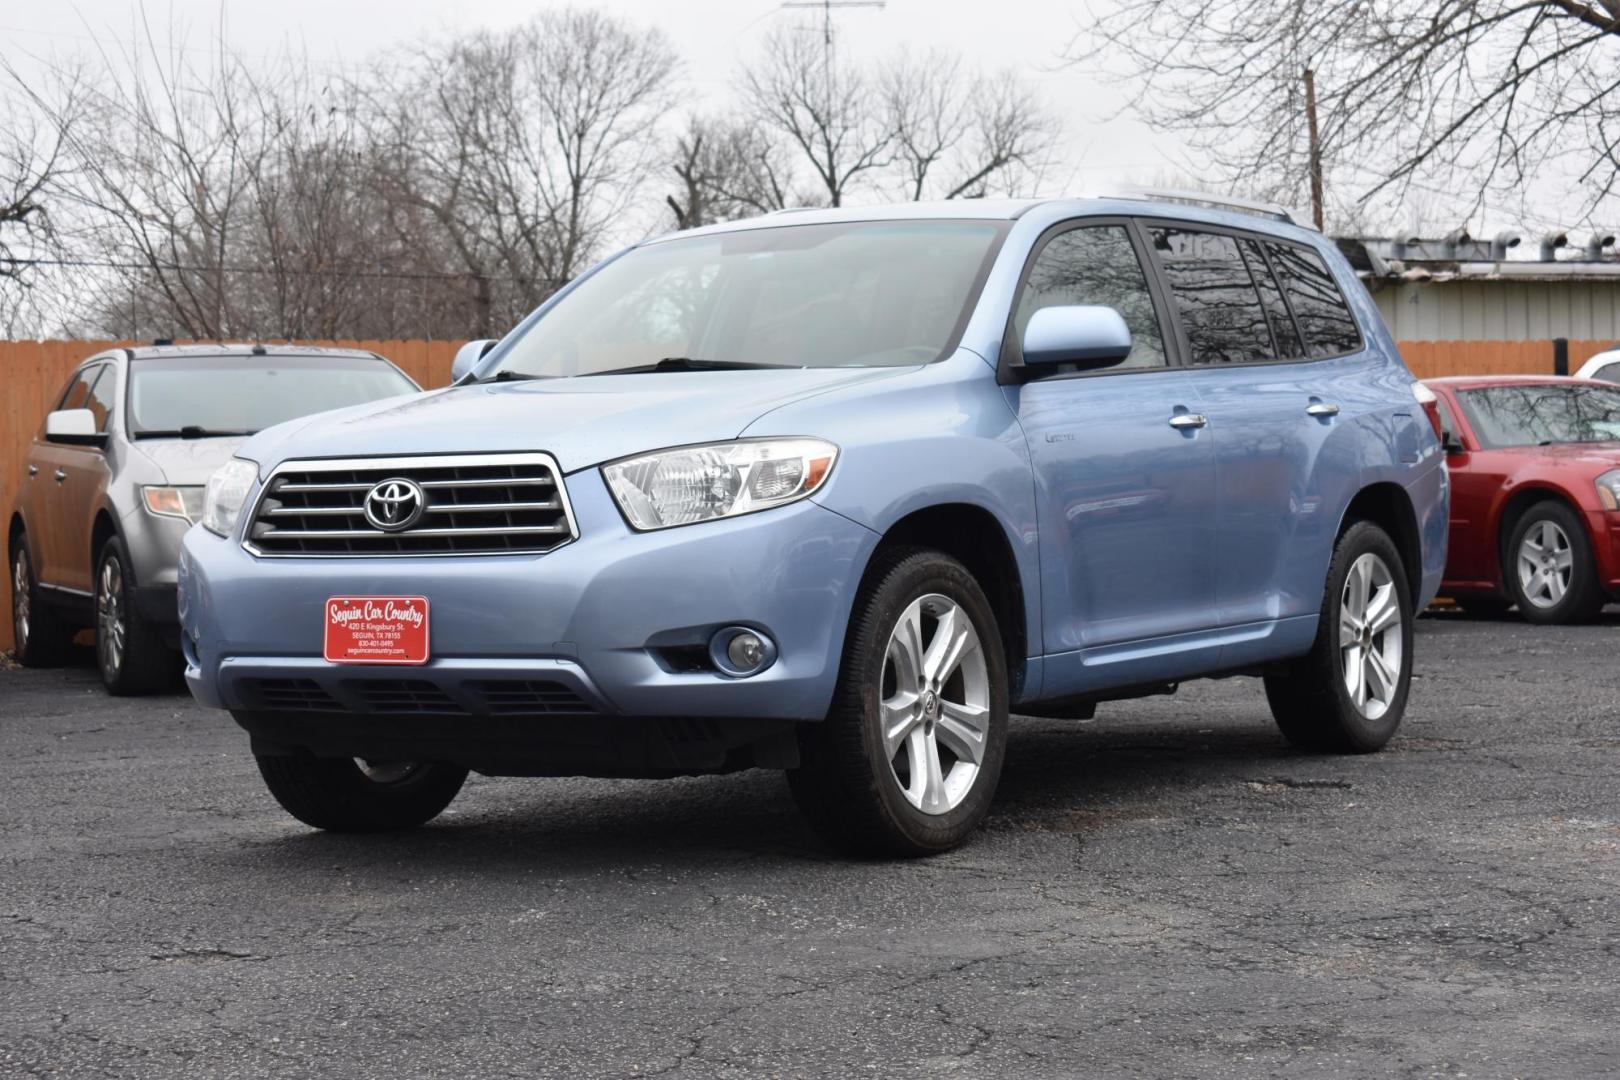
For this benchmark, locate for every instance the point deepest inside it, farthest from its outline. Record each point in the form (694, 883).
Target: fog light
(746, 651)
(739, 651)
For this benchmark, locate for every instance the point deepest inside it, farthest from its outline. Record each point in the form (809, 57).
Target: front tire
(352, 795)
(38, 635)
(1548, 566)
(130, 652)
(1348, 694)
(907, 761)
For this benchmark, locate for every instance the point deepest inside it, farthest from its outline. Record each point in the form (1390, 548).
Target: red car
(1535, 494)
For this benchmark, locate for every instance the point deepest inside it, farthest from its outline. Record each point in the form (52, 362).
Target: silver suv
(116, 477)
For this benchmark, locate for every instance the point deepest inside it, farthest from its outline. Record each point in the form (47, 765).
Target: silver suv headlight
(227, 492)
(701, 483)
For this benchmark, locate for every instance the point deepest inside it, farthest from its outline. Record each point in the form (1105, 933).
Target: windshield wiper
(512, 376)
(191, 431)
(687, 363)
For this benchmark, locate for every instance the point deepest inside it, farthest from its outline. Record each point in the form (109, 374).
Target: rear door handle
(1321, 408)
(1188, 420)
(61, 475)
(33, 470)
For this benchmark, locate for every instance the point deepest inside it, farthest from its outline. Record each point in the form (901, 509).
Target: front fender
(941, 435)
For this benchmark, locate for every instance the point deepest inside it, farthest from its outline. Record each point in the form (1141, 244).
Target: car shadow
(1058, 777)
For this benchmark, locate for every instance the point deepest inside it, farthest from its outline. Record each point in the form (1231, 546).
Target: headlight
(180, 502)
(701, 483)
(1608, 488)
(227, 491)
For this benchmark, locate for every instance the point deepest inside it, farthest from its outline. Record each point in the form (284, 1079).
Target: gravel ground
(1166, 891)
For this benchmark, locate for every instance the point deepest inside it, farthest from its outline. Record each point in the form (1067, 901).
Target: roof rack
(1214, 202)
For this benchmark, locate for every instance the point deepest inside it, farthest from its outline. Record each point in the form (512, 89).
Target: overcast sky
(1027, 35)
(1096, 149)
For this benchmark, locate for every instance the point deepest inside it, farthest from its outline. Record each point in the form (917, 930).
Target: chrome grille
(480, 504)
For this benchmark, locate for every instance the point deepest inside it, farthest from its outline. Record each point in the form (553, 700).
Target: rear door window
(1215, 295)
(1324, 317)
(1095, 264)
(1278, 317)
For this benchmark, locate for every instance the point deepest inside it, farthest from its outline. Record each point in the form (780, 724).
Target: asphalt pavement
(1165, 891)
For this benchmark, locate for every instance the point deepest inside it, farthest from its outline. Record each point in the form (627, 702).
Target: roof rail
(793, 209)
(1216, 202)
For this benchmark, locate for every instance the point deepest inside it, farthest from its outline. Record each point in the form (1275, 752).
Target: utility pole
(1316, 148)
(827, 7)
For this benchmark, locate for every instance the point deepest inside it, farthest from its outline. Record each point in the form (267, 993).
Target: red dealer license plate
(377, 630)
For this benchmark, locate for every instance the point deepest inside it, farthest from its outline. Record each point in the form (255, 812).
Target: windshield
(233, 395)
(1542, 414)
(869, 294)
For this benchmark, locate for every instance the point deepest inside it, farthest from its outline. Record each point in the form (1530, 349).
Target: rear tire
(1348, 694)
(344, 795)
(1548, 568)
(907, 760)
(130, 652)
(39, 636)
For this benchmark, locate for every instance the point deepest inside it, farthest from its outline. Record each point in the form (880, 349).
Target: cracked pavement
(1166, 891)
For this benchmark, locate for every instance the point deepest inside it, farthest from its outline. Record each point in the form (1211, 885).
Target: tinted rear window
(1324, 317)
(1220, 308)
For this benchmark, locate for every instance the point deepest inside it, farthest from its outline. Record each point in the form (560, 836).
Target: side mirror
(74, 427)
(467, 358)
(1450, 444)
(1091, 336)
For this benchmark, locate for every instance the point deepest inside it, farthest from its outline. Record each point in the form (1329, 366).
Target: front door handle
(1184, 420)
(61, 475)
(1321, 408)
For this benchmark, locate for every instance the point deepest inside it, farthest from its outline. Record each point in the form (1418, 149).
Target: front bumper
(599, 619)
(1604, 528)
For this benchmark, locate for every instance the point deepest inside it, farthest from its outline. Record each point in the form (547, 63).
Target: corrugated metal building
(1461, 289)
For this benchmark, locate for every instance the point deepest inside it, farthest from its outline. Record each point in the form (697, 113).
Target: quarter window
(77, 394)
(101, 401)
(1095, 264)
(1215, 296)
(1324, 317)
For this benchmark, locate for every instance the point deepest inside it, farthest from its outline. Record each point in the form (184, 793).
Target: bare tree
(727, 170)
(961, 136)
(1490, 90)
(521, 149)
(32, 160)
(827, 110)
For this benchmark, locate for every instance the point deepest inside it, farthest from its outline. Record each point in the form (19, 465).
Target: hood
(189, 461)
(579, 421)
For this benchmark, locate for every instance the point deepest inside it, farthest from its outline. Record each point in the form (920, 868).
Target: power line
(407, 275)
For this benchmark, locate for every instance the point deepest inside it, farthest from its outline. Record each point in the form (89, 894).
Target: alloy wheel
(20, 599)
(110, 627)
(1371, 637)
(935, 704)
(1546, 564)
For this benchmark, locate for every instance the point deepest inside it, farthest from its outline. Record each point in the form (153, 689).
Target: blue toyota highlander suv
(834, 492)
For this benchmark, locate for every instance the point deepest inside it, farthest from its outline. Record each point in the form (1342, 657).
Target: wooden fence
(32, 374)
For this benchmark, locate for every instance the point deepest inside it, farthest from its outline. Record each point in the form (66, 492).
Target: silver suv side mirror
(467, 358)
(74, 427)
(1089, 335)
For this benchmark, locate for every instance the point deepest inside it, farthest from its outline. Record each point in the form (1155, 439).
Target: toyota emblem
(395, 505)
